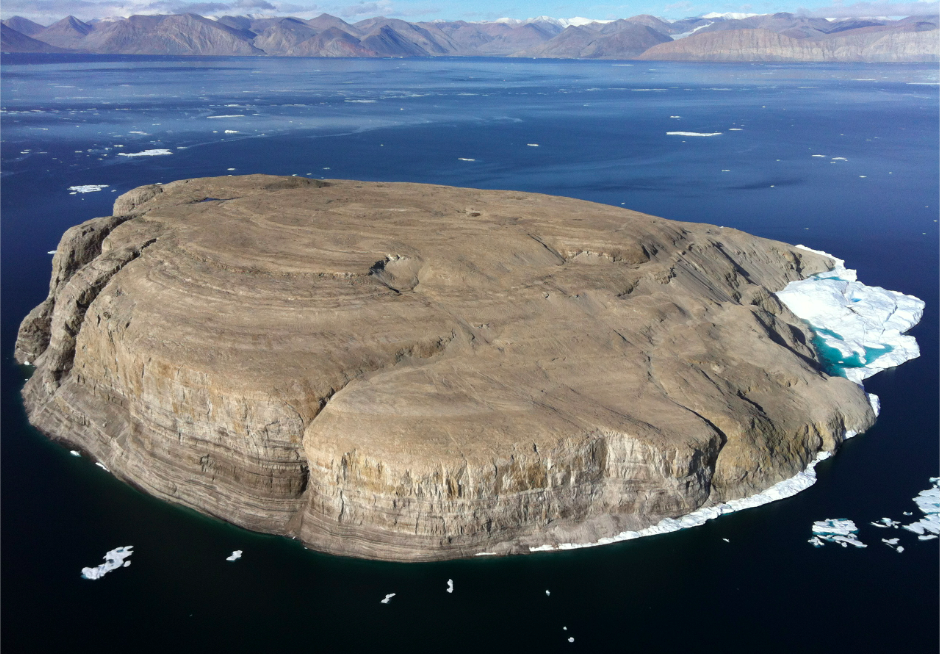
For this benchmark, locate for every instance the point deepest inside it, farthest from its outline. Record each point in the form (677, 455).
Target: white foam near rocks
(112, 561)
(786, 488)
(864, 324)
(146, 153)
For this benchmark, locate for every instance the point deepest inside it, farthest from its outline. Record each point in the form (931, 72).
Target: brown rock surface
(414, 372)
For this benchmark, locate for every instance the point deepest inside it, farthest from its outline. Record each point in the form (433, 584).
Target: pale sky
(48, 11)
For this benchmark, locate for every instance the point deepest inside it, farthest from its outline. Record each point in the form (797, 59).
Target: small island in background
(711, 37)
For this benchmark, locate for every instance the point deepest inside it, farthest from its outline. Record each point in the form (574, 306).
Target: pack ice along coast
(414, 372)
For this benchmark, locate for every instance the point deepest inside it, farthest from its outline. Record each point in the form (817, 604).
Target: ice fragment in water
(884, 523)
(928, 502)
(450, 585)
(388, 598)
(88, 188)
(693, 134)
(146, 153)
(547, 593)
(74, 453)
(234, 556)
(842, 532)
(112, 561)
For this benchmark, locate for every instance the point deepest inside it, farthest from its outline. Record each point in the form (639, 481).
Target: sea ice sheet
(859, 329)
(112, 561)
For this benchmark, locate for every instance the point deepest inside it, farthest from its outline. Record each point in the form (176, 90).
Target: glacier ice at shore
(859, 329)
(112, 561)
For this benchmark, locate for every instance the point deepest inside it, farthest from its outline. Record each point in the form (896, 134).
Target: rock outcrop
(414, 372)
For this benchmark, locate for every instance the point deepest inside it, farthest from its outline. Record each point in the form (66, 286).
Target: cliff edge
(414, 372)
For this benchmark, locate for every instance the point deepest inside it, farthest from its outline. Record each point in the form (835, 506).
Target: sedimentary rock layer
(414, 372)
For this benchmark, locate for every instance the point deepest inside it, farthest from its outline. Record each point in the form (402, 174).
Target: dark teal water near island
(839, 158)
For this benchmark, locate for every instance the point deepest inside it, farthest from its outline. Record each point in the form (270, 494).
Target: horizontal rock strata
(414, 372)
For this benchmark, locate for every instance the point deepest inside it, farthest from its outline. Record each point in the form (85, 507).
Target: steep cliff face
(413, 372)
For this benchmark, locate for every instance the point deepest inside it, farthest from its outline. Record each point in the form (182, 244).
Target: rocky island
(414, 372)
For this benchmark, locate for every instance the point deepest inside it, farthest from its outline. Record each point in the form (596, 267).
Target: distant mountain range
(713, 37)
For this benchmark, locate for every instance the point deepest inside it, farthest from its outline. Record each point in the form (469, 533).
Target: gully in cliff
(414, 372)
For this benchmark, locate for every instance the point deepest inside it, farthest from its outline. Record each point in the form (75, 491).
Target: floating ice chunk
(893, 544)
(839, 159)
(675, 116)
(735, 129)
(693, 134)
(234, 556)
(859, 329)
(465, 159)
(815, 542)
(547, 593)
(388, 598)
(885, 523)
(74, 453)
(230, 169)
(726, 540)
(231, 131)
(51, 252)
(841, 532)
(450, 585)
(822, 156)
(102, 466)
(141, 133)
(928, 502)
(112, 561)
(533, 145)
(927, 537)
(570, 639)
(88, 188)
(146, 153)
(228, 116)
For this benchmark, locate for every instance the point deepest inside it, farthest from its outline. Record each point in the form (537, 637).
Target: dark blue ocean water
(601, 134)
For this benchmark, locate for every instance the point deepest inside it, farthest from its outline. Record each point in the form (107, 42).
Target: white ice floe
(51, 252)
(74, 452)
(388, 598)
(234, 556)
(231, 131)
(146, 153)
(928, 502)
(112, 561)
(465, 159)
(859, 328)
(893, 544)
(693, 134)
(228, 116)
(547, 593)
(450, 585)
(571, 639)
(533, 145)
(821, 156)
(735, 129)
(839, 159)
(842, 532)
(885, 523)
(88, 188)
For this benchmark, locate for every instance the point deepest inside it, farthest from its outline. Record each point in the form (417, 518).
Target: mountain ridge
(712, 37)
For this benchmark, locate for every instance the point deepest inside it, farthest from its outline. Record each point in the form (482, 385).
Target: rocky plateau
(413, 372)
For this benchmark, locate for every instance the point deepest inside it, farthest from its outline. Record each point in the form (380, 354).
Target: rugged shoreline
(411, 372)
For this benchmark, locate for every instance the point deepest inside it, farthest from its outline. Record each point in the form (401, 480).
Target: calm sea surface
(601, 134)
